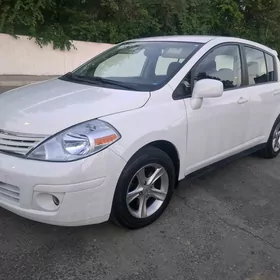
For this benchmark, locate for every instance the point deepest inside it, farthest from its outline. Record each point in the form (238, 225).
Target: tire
(145, 164)
(270, 150)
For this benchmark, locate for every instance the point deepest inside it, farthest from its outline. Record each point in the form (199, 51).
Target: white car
(111, 139)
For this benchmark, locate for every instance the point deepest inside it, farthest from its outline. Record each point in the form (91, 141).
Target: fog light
(47, 201)
(55, 200)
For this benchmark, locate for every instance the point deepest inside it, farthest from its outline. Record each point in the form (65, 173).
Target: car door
(263, 90)
(219, 128)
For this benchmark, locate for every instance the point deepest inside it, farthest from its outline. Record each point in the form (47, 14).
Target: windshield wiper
(96, 80)
(71, 77)
(108, 81)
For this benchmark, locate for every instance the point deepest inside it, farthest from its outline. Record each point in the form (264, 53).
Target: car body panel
(84, 187)
(264, 109)
(161, 119)
(216, 128)
(51, 106)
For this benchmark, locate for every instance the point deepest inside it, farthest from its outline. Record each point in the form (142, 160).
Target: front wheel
(144, 189)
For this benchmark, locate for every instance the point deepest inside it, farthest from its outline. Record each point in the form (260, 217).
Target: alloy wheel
(276, 139)
(147, 190)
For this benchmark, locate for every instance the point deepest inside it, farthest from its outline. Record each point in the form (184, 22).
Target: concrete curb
(18, 81)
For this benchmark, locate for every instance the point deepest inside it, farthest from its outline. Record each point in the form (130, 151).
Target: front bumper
(84, 188)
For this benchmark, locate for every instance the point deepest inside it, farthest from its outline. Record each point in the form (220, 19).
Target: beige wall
(24, 57)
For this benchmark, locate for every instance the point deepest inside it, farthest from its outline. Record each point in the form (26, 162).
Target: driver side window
(223, 64)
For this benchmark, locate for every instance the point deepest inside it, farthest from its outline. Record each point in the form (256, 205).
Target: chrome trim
(15, 143)
(20, 134)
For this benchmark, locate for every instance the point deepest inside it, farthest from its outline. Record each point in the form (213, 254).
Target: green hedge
(112, 21)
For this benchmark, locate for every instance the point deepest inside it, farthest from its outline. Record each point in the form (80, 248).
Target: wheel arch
(273, 120)
(170, 149)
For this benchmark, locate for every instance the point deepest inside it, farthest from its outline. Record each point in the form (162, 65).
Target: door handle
(242, 100)
(276, 92)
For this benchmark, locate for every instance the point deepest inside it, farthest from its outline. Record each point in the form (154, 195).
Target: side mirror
(205, 88)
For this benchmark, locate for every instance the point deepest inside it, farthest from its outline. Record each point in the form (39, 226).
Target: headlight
(77, 142)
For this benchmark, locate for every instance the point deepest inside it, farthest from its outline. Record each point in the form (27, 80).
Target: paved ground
(3, 89)
(224, 225)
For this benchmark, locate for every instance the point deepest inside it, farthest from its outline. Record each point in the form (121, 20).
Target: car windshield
(142, 66)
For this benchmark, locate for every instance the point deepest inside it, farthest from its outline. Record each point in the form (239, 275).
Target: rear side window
(270, 68)
(256, 66)
(260, 66)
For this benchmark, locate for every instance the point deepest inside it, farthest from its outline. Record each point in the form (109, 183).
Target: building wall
(24, 57)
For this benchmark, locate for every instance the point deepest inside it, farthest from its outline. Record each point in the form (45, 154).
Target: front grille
(9, 192)
(18, 143)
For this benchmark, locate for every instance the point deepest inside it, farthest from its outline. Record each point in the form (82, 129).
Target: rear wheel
(144, 189)
(272, 148)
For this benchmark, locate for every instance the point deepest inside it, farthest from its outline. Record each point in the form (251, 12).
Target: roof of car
(183, 38)
(203, 39)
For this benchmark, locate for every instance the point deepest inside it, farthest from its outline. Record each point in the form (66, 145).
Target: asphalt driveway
(3, 89)
(223, 225)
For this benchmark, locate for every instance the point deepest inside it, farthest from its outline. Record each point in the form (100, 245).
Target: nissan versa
(111, 139)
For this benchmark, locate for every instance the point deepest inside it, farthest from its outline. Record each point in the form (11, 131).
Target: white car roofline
(204, 39)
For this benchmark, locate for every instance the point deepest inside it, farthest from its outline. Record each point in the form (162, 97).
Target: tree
(112, 21)
(260, 21)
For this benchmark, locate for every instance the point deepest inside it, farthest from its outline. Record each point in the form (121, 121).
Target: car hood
(51, 106)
